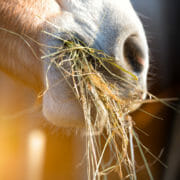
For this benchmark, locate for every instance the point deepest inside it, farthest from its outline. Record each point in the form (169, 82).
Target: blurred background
(161, 22)
(32, 149)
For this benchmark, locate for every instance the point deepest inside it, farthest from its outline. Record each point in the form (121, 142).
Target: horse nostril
(133, 54)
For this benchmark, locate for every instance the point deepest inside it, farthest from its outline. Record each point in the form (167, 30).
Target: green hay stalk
(104, 111)
(110, 120)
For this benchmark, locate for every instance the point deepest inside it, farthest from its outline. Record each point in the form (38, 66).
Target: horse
(110, 26)
(30, 28)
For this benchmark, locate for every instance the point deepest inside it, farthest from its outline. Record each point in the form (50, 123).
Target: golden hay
(106, 114)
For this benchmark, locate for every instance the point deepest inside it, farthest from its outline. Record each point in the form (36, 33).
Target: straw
(105, 111)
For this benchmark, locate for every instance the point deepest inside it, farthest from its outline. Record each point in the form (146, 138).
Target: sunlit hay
(109, 128)
(110, 119)
(106, 114)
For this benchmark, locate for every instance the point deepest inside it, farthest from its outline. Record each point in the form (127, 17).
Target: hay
(106, 113)
(109, 128)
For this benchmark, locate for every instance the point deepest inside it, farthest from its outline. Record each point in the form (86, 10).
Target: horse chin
(62, 114)
(60, 106)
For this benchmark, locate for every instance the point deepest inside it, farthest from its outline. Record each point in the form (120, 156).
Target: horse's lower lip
(134, 107)
(137, 103)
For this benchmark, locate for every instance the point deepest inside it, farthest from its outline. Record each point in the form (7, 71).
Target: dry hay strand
(109, 128)
(110, 118)
(106, 114)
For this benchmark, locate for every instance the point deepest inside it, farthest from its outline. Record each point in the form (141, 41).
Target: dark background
(161, 22)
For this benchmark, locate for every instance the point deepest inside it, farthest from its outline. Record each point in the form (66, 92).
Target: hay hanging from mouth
(111, 119)
(109, 128)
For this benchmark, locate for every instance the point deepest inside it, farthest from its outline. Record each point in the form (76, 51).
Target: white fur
(102, 24)
(105, 25)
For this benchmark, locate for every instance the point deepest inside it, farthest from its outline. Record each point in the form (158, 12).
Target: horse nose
(135, 54)
(131, 50)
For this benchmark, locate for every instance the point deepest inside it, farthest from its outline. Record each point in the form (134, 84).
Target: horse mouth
(102, 70)
(88, 71)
